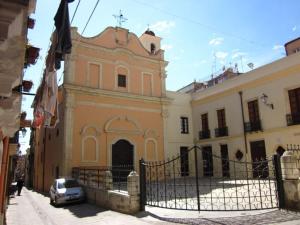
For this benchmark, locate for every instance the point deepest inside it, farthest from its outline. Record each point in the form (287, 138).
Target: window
(294, 96)
(152, 48)
(204, 121)
(222, 129)
(184, 125)
(254, 123)
(253, 111)
(221, 118)
(121, 80)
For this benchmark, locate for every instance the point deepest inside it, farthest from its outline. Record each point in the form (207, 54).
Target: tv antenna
(120, 18)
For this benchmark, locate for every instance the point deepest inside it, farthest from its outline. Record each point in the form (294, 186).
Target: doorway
(259, 164)
(184, 161)
(225, 161)
(207, 161)
(122, 159)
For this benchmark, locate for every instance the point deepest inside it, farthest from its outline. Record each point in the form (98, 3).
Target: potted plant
(27, 85)
(30, 23)
(32, 53)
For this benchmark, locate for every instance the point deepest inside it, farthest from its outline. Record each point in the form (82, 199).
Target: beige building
(246, 117)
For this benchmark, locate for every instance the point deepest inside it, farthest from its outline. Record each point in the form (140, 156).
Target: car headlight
(60, 195)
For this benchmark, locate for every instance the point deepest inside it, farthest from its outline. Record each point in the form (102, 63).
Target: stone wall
(121, 201)
(291, 182)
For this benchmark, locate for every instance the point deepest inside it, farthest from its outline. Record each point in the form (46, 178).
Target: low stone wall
(292, 194)
(291, 182)
(122, 201)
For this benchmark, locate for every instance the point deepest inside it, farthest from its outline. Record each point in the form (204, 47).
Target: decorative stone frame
(155, 148)
(152, 83)
(127, 88)
(88, 77)
(86, 137)
(114, 141)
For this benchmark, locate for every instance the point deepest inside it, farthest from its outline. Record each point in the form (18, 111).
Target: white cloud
(166, 47)
(294, 28)
(221, 55)
(216, 41)
(161, 26)
(238, 54)
(277, 47)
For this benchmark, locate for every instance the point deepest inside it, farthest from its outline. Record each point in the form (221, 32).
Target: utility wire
(90, 16)
(88, 21)
(75, 11)
(201, 24)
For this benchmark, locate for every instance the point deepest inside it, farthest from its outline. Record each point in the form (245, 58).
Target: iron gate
(199, 180)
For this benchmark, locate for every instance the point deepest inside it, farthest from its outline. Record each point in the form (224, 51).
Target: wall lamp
(264, 99)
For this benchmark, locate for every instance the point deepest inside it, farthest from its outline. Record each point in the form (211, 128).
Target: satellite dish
(250, 65)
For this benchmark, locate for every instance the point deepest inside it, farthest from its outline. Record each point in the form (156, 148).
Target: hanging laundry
(62, 25)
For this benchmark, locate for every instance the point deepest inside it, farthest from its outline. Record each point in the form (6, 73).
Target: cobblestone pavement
(255, 217)
(32, 208)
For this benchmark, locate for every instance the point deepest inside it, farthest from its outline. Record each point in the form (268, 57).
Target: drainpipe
(243, 117)
(44, 157)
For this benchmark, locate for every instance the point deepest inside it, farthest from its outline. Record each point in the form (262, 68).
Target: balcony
(204, 134)
(293, 119)
(221, 132)
(253, 126)
(14, 139)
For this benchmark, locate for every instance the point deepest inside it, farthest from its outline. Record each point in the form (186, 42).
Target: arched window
(152, 48)
(89, 144)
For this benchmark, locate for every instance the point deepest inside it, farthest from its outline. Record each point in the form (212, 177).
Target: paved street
(32, 208)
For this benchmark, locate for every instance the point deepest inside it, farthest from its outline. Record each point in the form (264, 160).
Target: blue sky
(199, 37)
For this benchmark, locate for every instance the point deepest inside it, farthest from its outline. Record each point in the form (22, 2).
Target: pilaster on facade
(68, 132)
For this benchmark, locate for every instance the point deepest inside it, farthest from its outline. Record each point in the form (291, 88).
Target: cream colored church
(114, 108)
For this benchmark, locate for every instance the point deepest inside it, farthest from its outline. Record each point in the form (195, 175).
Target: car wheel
(51, 201)
(55, 201)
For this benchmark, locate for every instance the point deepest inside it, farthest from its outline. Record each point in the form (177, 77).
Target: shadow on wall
(273, 217)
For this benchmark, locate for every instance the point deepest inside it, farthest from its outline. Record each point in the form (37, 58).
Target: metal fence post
(142, 184)
(197, 177)
(279, 181)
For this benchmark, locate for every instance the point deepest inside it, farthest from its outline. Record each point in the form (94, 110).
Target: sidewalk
(32, 208)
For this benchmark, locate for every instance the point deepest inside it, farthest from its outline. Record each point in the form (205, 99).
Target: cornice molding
(118, 50)
(108, 129)
(71, 88)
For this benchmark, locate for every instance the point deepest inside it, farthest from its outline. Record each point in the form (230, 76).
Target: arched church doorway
(122, 160)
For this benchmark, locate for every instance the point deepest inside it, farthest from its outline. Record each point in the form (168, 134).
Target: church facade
(111, 105)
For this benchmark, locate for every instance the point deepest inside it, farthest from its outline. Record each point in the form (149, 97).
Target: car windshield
(67, 184)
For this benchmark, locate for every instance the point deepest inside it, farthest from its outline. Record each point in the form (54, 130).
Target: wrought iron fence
(210, 183)
(95, 176)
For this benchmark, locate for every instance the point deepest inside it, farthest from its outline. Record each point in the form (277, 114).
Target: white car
(65, 190)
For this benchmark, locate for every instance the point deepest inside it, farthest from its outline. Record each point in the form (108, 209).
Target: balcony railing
(221, 131)
(293, 119)
(204, 134)
(253, 126)
(14, 139)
